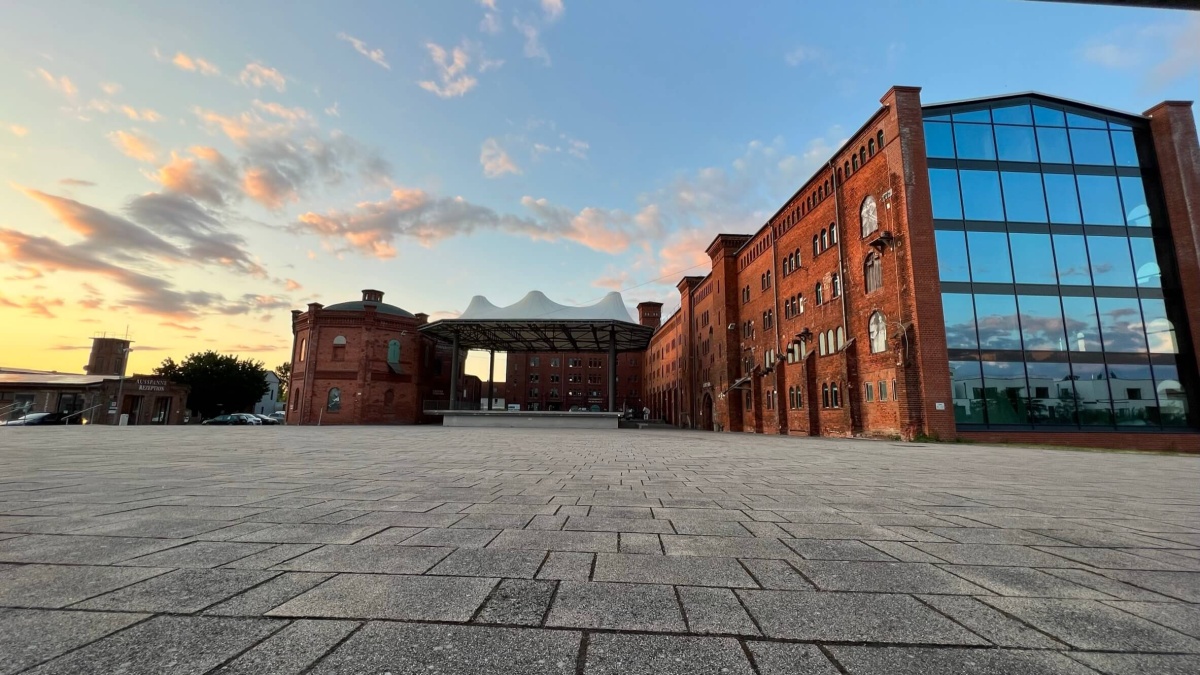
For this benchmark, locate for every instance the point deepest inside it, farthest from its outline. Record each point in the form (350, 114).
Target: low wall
(1164, 441)
(528, 419)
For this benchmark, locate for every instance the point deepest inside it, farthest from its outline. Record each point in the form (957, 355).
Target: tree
(220, 383)
(284, 372)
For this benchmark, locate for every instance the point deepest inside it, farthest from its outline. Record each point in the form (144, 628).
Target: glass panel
(1160, 332)
(1051, 393)
(1016, 144)
(1072, 262)
(1005, 390)
(1100, 200)
(1093, 402)
(1133, 193)
(1172, 399)
(1145, 263)
(943, 188)
(1032, 258)
(1111, 264)
(1052, 145)
(939, 141)
(1015, 114)
(989, 257)
(1062, 198)
(997, 321)
(1083, 324)
(974, 141)
(973, 116)
(938, 118)
(1048, 117)
(1091, 147)
(981, 195)
(958, 310)
(1023, 198)
(1121, 325)
(1124, 148)
(1042, 323)
(966, 381)
(1134, 401)
(1085, 121)
(952, 255)
(1113, 124)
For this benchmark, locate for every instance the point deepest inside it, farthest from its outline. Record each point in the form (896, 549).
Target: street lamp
(121, 382)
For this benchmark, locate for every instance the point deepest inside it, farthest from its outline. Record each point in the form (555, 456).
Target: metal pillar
(612, 370)
(454, 373)
(491, 376)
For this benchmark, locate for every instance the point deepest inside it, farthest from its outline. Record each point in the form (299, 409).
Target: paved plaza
(287, 550)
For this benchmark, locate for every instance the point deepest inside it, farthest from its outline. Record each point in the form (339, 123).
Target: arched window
(791, 397)
(820, 193)
(768, 278)
(334, 402)
(787, 266)
(847, 169)
(871, 148)
(877, 331)
(824, 395)
(339, 348)
(799, 304)
(295, 397)
(797, 254)
(833, 395)
(862, 155)
(821, 344)
(868, 215)
(820, 296)
(832, 234)
(879, 139)
(303, 348)
(762, 280)
(816, 246)
(835, 286)
(389, 397)
(841, 337)
(829, 339)
(839, 174)
(824, 239)
(393, 351)
(854, 161)
(826, 186)
(873, 273)
(799, 398)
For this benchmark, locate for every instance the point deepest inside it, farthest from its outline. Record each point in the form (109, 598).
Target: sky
(188, 173)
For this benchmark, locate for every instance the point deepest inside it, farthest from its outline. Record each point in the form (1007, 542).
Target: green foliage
(284, 372)
(220, 383)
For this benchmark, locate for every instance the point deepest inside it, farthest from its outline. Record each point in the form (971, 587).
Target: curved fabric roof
(535, 305)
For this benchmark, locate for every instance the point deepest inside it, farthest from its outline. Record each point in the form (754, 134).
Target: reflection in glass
(1042, 323)
(1072, 262)
(1082, 324)
(1051, 399)
(1091, 147)
(974, 141)
(966, 382)
(1005, 391)
(1048, 117)
(1100, 200)
(989, 257)
(1016, 144)
(943, 189)
(981, 195)
(1085, 121)
(952, 255)
(1032, 258)
(1133, 193)
(1121, 325)
(1013, 114)
(938, 140)
(997, 321)
(1134, 401)
(1172, 399)
(1124, 148)
(1093, 404)
(1062, 198)
(1160, 332)
(1024, 201)
(959, 314)
(983, 116)
(1145, 262)
(1111, 264)
(1052, 146)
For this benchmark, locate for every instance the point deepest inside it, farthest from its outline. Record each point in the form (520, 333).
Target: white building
(269, 403)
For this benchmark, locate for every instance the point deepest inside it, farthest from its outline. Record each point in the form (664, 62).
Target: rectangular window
(1032, 258)
(1121, 325)
(989, 257)
(997, 322)
(883, 390)
(1090, 146)
(1124, 148)
(943, 188)
(981, 195)
(1024, 200)
(1062, 198)
(952, 255)
(1042, 323)
(1052, 146)
(535, 361)
(1004, 389)
(1016, 144)
(1100, 199)
(533, 377)
(974, 141)
(1110, 261)
(1133, 193)
(869, 391)
(1071, 260)
(554, 362)
(1082, 324)
(939, 141)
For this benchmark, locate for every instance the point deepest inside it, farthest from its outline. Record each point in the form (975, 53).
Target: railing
(429, 405)
(68, 417)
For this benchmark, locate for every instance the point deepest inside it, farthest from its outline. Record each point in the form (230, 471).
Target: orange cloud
(135, 144)
(258, 76)
(191, 64)
(143, 115)
(266, 189)
(292, 285)
(61, 84)
(18, 130)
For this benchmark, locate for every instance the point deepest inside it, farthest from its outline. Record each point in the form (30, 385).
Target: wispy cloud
(553, 9)
(195, 64)
(143, 115)
(76, 182)
(110, 88)
(453, 79)
(333, 111)
(62, 83)
(376, 55)
(1166, 51)
(495, 160)
(292, 285)
(18, 130)
(804, 54)
(135, 144)
(258, 76)
(533, 44)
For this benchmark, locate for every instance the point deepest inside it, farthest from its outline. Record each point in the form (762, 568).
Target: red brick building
(566, 380)
(1019, 268)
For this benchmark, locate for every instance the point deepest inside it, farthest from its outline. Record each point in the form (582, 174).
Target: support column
(454, 373)
(491, 376)
(612, 370)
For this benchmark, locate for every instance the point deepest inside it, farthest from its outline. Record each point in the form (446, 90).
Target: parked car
(251, 419)
(266, 419)
(234, 419)
(279, 416)
(40, 419)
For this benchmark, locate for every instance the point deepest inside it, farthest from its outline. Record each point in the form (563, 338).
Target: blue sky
(193, 171)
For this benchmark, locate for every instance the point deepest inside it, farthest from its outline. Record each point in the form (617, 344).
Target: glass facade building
(1061, 303)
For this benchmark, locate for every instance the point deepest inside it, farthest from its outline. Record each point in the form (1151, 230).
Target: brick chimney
(650, 314)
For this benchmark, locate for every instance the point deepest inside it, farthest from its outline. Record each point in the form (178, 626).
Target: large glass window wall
(1053, 288)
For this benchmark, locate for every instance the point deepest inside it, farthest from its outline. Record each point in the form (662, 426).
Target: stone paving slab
(291, 650)
(518, 602)
(1087, 624)
(885, 577)
(29, 637)
(779, 658)
(643, 607)
(54, 586)
(917, 661)
(1139, 664)
(664, 655)
(368, 559)
(374, 596)
(181, 591)
(715, 610)
(671, 570)
(79, 550)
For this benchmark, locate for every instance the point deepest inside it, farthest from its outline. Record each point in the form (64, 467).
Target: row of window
(824, 240)
(1032, 197)
(536, 361)
(1096, 147)
(553, 392)
(869, 391)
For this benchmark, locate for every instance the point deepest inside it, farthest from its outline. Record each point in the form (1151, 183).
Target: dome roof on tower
(371, 298)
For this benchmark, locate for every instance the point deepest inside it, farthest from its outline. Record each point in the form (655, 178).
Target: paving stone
(918, 534)
(992, 535)
(231, 532)
(465, 562)
(392, 536)
(993, 625)
(837, 531)
(530, 509)
(645, 544)
(275, 555)
(643, 525)
(597, 542)
(621, 512)
(998, 554)
(901, 551)
(763, 529)
(779, 658)
(617, 606)
(1140, 664)
(924, 661)
(834, 549)
(699, 514)
(404, 598)
(199, 554)
(182, 591)
(368, 558)
(664, 655)
(1087, 624)
(180, 645)
(406, 519)
(409, 649)
(313, 534)
(56, 586)
(885, 577)
(1181, 617)
(1095, 538)
(79, 550)
(1104, 558)
(1023, 582)
(671, 570)
(269, 595)
(1106, 585)
(452, 538)
(725, 547)
(1181, 585)
(852, 617)
(224, 513)
(518, 602)
(547, 523)
(573, 511)
(494, 521)
(777, 574)
(158, 528)
(567, 566)
(29, 637)
(291, 650)
(715, 610)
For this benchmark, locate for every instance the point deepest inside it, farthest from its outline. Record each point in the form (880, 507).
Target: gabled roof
(984, 100)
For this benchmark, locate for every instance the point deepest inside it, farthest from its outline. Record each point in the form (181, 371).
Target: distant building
(269, 402)
(498, 400)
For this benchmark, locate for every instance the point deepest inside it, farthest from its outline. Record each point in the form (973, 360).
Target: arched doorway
(707, 412)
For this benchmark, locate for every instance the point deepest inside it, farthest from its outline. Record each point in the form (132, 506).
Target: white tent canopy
(536, 306)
